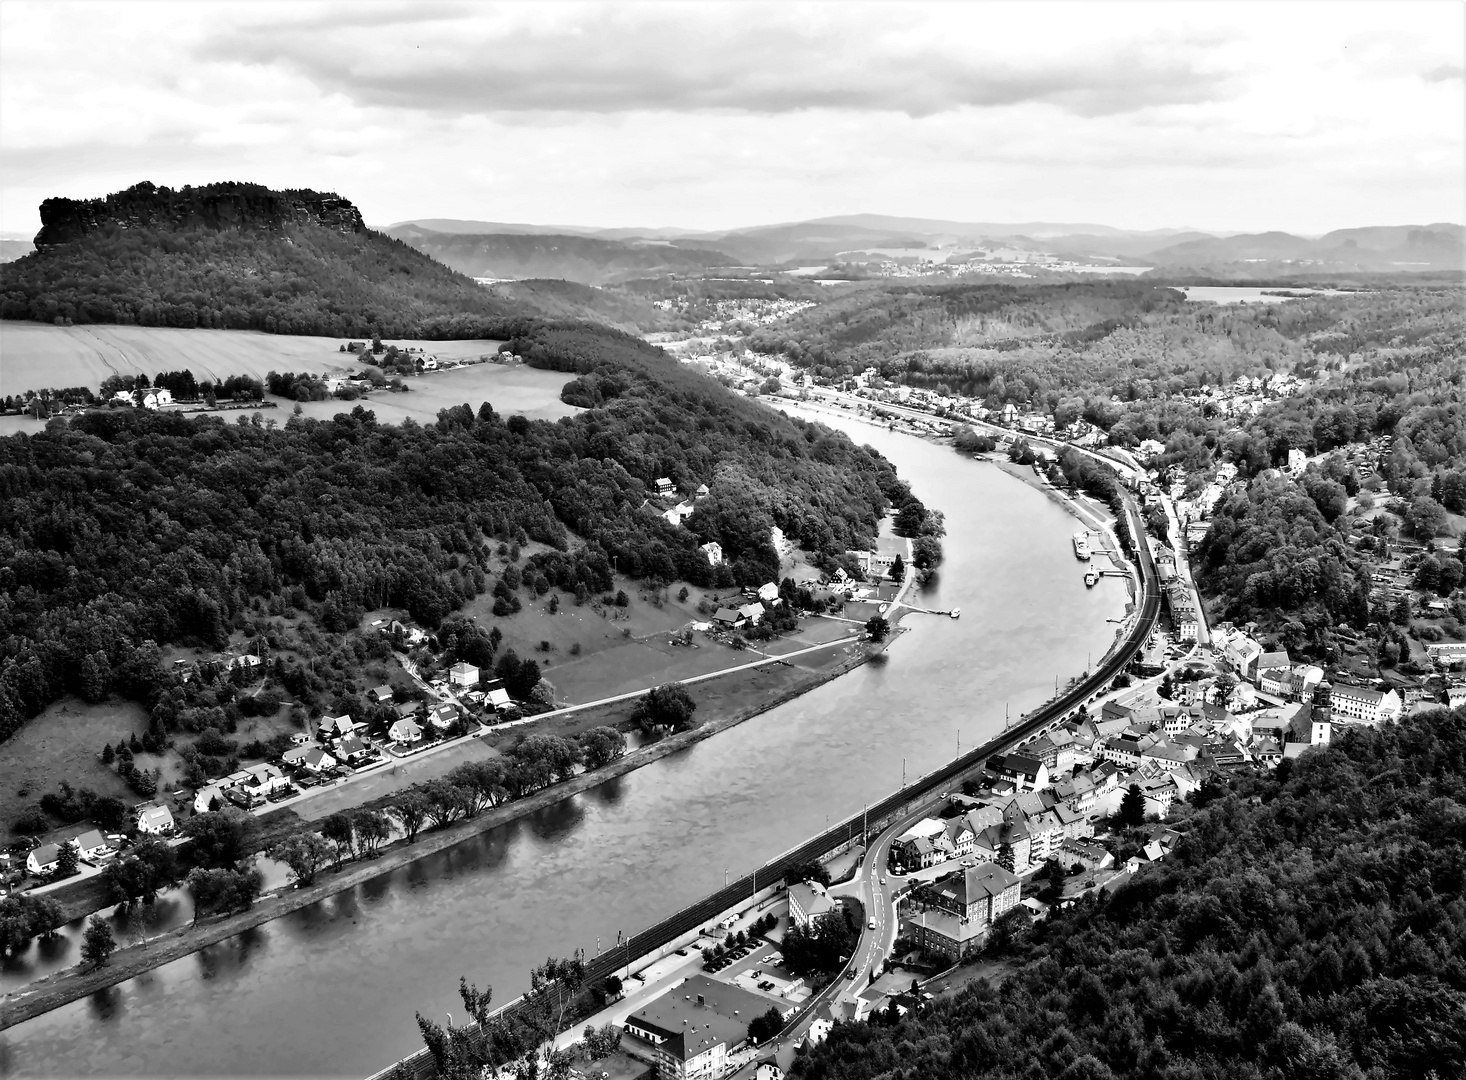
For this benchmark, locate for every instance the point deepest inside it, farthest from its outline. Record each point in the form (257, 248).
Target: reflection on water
(332, 989)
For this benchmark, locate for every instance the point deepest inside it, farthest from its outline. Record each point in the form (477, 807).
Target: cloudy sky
(1237, 116)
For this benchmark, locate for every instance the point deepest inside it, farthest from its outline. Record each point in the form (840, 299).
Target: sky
(1235, 117)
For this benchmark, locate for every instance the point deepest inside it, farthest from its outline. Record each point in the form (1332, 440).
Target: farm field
(508, 388)
(34, 356)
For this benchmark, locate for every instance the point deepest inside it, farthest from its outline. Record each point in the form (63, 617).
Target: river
(331, 990)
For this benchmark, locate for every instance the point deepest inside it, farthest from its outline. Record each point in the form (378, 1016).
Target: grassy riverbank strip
(59, 989)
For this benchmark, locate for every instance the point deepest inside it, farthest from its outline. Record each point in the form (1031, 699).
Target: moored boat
(955, 612)
(1091, 577)
(1081, 546)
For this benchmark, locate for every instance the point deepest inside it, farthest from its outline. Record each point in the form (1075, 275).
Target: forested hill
(584, 259)
(241, 257)
(124, 527)
(1309, 925)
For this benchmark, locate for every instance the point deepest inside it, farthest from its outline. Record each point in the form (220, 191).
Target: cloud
(743, 59)
(1444, 73)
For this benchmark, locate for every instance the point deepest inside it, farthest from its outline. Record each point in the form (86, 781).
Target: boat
(1091, 577)
(955, 612)
(1081, 546)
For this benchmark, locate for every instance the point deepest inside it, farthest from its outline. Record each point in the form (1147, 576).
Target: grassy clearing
(62, 744)
(36, 356)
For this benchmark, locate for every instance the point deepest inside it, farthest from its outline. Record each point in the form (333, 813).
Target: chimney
(700, 1000)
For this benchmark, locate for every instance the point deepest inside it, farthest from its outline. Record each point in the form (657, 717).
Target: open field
(34, 356)
(62, 744)
(508, 388)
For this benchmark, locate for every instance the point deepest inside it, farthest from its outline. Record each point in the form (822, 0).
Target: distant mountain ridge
(1439, 246)
(587, 260)
(1373, 248)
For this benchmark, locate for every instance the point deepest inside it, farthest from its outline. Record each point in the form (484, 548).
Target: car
(681, 952)
(871, 924)
(883, 879)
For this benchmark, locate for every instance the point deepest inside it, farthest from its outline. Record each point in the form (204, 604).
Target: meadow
(34, 356)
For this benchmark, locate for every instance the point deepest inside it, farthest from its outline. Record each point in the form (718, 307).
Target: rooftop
(701, 1013)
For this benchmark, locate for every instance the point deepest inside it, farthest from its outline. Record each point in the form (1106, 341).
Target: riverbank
(59, 989)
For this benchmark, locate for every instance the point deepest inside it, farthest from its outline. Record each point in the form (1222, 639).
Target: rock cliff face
(216, 206)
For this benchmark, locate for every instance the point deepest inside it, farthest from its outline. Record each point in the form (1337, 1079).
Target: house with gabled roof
(154, 820)
(405, 732)
(92, 846)
(336, 727)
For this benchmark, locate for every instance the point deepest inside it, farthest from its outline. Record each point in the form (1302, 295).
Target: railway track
(420, 1065)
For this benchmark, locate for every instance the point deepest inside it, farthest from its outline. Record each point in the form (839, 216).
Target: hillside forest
(1382, 368)
(132, 530)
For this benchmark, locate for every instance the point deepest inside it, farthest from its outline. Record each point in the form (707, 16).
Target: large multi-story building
(1362, 704)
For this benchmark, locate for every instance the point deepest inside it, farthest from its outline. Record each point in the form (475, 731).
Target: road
(877, 890)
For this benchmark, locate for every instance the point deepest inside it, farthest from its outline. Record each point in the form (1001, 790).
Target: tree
(1132, 807)
(97, 943)
(222, 890)
(668, 705)
(447, 802)
(810, 871)
(1426, 517)
(766, 1026)
(221, 838)
(305, 853)
(877, 628)
(1005, 856)
(411, 809)
(339, 829)
(601, 746)
(898, 569)
(68, 860)
(373, 829)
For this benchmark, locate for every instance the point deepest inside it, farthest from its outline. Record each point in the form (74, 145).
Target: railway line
(708, 909)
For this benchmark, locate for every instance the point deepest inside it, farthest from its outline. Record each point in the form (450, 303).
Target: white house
(665, 486)
(404, 732)
(92, 846)
(314, 759)
(266, 779)
(463, 674)
(43, 860)
(155, 820)
(768, 592)
(714, 553)
(208, 798)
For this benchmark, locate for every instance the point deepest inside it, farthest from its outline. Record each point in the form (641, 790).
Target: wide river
(331, 990)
